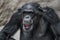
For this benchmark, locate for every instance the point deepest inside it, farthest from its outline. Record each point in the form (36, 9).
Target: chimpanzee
(35, 23)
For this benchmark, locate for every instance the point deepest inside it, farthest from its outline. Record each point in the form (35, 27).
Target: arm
(41, 33)
(51, 16)
(42, 28)
(56, 30)
(10, 27)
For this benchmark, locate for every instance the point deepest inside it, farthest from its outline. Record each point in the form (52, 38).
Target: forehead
(28, 13)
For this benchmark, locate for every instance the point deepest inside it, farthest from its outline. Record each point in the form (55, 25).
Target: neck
(26, 35)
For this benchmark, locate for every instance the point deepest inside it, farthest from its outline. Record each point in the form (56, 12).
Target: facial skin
(28, 21)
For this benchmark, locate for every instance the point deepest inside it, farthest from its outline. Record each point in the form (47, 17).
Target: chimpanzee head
(30, 15)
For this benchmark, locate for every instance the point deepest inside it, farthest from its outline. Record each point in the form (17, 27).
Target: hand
(50, 15)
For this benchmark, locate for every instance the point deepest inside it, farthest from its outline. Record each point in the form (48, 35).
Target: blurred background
(8, 7)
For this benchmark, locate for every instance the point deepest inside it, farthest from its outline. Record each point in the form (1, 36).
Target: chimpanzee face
(28, 21)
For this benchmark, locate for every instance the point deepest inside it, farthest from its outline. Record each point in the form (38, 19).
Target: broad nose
(27, 17)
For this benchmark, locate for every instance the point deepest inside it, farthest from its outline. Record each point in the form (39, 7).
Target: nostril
(27, 17)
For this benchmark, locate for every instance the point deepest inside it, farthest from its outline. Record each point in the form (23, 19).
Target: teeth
(27, 27)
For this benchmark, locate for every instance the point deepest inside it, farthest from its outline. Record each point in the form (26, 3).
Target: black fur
(45, 20)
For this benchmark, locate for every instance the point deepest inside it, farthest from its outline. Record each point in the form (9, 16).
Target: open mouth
(27, 26)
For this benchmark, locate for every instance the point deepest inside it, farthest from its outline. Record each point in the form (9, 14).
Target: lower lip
(27, 26)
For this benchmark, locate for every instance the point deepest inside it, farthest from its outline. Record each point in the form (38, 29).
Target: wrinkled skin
(45, 25)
